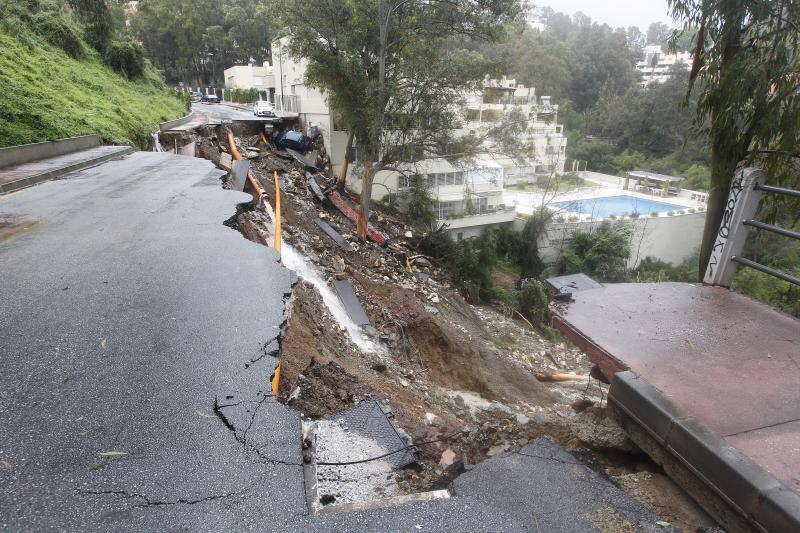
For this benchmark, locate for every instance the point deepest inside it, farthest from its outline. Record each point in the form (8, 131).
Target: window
(447, 209)
(460, 236)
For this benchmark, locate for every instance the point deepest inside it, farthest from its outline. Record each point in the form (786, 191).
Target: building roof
(652, 176)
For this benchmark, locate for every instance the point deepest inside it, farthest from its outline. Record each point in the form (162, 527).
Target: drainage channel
(301, 266)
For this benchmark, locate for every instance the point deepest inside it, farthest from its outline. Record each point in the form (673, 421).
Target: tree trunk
(366, 196)
(726, 152)
(347, 151)
(724, 160)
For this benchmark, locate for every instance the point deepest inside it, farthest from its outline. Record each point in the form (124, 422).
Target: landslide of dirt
(459, 375)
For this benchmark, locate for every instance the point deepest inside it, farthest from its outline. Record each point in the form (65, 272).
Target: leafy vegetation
(242, 96)
(67, 90)
(195, 40)
(601, 254)
(745, 78)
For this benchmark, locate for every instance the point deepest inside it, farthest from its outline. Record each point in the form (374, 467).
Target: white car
(262, 108)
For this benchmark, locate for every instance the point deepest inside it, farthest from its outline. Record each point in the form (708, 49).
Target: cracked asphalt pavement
(127, 312)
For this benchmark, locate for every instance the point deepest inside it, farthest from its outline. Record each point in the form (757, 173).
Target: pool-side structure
(653, 183)
(706, 381)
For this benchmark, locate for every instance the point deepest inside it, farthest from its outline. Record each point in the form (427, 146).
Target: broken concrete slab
(333, 234)
(315, 188)
(544, 485)
(344, 288)
(301, 159)
(240, 170)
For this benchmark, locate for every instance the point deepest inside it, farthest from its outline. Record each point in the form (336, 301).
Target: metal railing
(287, 102)
(745, 194)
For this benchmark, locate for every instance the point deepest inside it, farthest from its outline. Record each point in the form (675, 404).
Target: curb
(166, 126)
(750, 490)
(23, 183)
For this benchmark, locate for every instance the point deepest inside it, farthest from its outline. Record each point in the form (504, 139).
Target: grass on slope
(45, 95)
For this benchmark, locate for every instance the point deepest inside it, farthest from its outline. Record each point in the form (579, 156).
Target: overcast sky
(616, 13)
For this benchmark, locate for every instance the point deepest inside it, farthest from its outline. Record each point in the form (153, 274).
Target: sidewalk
(16, 177)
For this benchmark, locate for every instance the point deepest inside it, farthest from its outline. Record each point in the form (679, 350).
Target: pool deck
(712, 376)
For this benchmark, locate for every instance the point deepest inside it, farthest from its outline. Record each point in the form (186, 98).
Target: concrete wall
(165, 126)
(672, 239)
(25, 153)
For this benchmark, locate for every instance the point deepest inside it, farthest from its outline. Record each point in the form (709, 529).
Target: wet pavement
(727, 361)
(222, 112)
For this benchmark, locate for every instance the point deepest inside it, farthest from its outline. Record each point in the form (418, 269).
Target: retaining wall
(25, 153)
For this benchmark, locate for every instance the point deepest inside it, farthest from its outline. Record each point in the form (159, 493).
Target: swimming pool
(615, 205)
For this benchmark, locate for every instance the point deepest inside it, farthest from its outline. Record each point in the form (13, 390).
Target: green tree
(97, 21)
(628, 160)
(534, 302)
(419, 208)
(745, 72)
(541, 61)
(530, 262)
(384, 65)
(601, 254)
(697, 178)
(659, 33)
(636, 41)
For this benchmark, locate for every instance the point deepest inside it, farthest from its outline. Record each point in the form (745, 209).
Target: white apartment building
(657, 66)
(468, 195)
(250, 77)
(485, 109)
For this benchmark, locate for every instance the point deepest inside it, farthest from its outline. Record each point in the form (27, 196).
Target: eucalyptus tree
(389, 74)
(745, 71)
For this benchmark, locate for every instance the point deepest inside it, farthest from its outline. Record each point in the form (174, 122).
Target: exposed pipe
(259, 192)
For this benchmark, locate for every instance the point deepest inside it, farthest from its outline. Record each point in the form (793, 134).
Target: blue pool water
(615, 205)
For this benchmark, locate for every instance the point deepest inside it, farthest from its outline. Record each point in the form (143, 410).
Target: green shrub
(601, 254)
(419, 205)
(533, 303)
(242, 96)
(126, 57)
(57, 30)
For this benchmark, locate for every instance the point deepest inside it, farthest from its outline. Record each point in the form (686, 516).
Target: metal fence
(745, 194)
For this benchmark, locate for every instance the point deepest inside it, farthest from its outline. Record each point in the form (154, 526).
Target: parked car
(210, 99)
(292, 139)
(196, 96)
(262, 108)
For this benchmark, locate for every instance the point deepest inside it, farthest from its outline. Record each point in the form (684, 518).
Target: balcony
(496, 216)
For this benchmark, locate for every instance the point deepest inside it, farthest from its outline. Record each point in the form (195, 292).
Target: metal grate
(368, 420)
